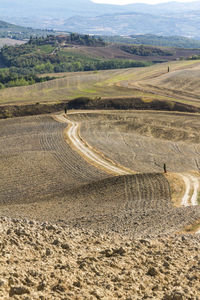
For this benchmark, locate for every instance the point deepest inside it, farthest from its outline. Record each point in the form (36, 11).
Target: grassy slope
(109, 83)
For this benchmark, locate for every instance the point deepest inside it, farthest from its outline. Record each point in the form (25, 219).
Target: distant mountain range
(137, 23)
(84, 16)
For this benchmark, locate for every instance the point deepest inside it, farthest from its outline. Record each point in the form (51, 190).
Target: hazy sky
(138, 1)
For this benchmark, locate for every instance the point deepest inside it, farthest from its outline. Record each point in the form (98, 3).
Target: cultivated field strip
(36, 162)
(53, 140)
(145, 143)
(44, 178)
(117, 203)
(138, 142)
(90, 154)
(147, 191)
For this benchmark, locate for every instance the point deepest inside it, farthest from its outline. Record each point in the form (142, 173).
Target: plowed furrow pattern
(53, 140)
(146, 191)
(36, 163)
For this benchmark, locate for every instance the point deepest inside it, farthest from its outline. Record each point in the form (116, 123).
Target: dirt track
(101, 236)
(87, 152)
(191, 181)
(51, 181)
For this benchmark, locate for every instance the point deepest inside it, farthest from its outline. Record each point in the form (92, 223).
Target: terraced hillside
(50, 174)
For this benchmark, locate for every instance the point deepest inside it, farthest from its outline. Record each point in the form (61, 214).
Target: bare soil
(70, 230)
(47, 261)
(45, 179)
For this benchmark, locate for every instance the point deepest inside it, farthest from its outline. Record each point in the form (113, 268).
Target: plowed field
(49, 174)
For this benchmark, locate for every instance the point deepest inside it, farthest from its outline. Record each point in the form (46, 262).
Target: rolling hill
(154, 40)
(74, 53)
(186, 24)
(86, 16)
(70, 229)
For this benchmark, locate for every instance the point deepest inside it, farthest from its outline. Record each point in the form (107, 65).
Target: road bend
(89, 153)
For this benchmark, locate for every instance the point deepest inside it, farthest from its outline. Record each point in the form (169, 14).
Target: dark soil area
(123, 103)
(129, 103)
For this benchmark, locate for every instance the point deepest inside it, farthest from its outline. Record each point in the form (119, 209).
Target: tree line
(10, 79)
(146, 50)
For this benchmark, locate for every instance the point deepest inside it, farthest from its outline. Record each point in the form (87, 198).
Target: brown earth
(101, 236)
(45, 261)
(144, 140)
(10, 42)
(40, 170)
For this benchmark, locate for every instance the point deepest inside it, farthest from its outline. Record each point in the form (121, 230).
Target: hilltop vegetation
(50, 54)
(66, 40)
(9, 79)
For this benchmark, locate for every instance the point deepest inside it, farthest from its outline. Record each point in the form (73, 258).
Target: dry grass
(177, 188)
(109, 83)
(182, 82)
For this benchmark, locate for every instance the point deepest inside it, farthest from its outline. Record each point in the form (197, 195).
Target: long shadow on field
(139, 205)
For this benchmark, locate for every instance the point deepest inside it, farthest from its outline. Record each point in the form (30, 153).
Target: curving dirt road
(88, 152)
(190, 197)
(192, 188)
(191, 181)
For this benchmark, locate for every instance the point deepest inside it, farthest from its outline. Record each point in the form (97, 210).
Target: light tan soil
(45, 261)
(45, 179)
(102, 236)
(144, 141)
(177, 188)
